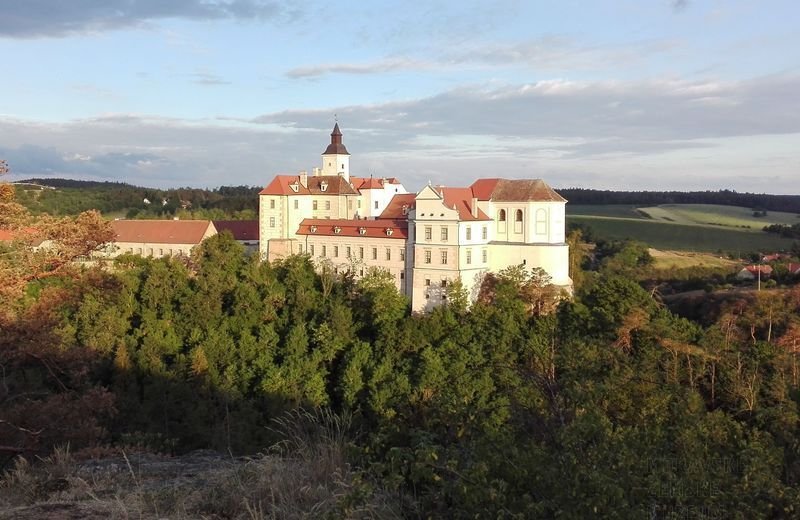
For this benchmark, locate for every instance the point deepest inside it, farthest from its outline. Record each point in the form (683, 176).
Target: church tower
(335, 159)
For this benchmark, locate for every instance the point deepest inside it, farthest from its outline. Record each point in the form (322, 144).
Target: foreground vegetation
(607, 405)
(610, 406)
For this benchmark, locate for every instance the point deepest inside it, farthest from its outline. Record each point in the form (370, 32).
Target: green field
(682, 237)
(715, 215)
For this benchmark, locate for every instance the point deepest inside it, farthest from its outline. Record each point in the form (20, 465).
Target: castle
(424, 240)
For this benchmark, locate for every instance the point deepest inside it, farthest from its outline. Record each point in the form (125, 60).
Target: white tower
(335, 159)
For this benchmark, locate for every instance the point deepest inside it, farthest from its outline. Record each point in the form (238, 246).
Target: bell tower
(335, 159)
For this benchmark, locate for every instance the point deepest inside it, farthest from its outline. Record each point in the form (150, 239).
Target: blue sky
(639, 94)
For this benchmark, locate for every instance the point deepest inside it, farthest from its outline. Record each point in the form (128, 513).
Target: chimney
(316, 171)
(474, 207)
(304, 179)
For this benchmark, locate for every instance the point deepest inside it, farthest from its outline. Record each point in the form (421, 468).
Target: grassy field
(677, 260)
(715, 215)
(682, 237)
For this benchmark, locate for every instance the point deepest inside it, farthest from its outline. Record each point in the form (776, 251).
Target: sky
(614, 94)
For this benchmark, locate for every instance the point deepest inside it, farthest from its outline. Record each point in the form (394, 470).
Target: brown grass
(305, 476)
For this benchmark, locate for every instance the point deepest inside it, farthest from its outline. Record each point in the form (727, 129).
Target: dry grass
(305, 476)
(681, 259)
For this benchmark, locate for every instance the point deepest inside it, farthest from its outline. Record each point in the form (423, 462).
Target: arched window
(518, 221)
(501, 221)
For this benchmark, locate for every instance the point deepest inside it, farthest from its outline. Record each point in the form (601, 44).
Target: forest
(521, 405)
(72, 197)
(759, 202)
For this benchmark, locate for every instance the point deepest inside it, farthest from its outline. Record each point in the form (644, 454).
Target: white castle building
(425, 240)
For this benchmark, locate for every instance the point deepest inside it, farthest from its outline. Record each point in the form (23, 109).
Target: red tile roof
(371, 183)
(394, 210)
(353, 228)
(280, 186)
(765, 269)
(161, 231)
(515, 190)
(336, 185)
(240, 229)
(461, 200)
(794, 268)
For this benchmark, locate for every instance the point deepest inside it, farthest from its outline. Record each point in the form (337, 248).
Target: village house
(158, 238)
(751, 272)
(425, 240)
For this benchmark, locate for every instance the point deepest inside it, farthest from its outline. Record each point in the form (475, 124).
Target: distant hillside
(118, 199)
(787, 203)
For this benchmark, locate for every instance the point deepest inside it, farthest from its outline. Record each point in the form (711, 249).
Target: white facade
(441, 234)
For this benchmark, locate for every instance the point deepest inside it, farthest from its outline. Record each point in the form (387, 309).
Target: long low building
(159, 238)
(425, 240)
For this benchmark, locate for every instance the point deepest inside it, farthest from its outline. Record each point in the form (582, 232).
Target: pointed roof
(394, 210)
(336, 147)
(460, 199)
(282, 185)
(515, 190)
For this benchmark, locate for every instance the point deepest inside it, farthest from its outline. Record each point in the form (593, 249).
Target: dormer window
(389, 231)
(323, 186)
(405, 209)
(337, 230)
(362, 231)
(294, 187)
(313, 229)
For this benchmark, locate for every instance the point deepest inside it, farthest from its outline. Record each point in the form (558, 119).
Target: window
(444, 283)
(502, 215)
(160, 252)
(336, 251)
(427, 282)
(374, 253)
(271, 221)
(388, 254)
(402, 254)
(300, 248)
(271, 203)
(541, 222)
(150, 251)
(348, 252)
(311, 248)
(485, 233)
(324, 250)
(444, 234)
(518, 221)
(469, 256)
(469, 232)
(428, 232)
(444, 257)
(359, 203)
(376, 204)
(501, 221)
(314, 205)
(485, 255)
(349, 203)
(296, 204)
(327, 204)
(361, 272)
(427, 256)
